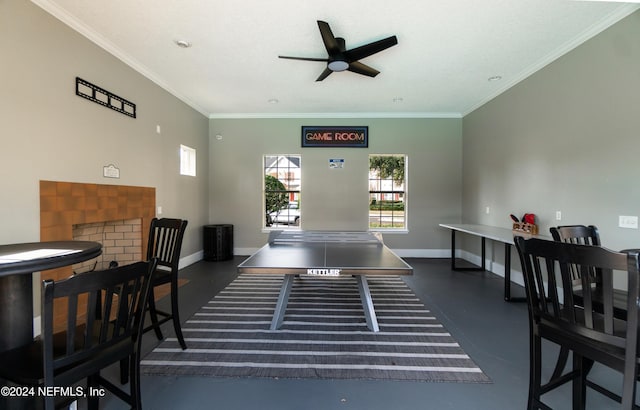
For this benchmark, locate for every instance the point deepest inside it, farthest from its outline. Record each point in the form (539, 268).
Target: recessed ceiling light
(495, 78)
(183, 43)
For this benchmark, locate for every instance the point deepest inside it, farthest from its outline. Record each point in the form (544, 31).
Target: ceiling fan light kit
(341, 59)
(338, 65)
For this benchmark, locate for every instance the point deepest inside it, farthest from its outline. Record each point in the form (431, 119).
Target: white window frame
(187, 161)
(392, 190)
(294, 192)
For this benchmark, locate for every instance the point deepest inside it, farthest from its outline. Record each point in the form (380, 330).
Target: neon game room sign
(342, 137)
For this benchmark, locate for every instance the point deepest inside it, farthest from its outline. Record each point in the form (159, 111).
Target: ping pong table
(328, 254)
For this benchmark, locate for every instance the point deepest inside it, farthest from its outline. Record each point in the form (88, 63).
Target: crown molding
(331, 115)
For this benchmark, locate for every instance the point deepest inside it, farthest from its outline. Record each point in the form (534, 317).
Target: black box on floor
(218, 242)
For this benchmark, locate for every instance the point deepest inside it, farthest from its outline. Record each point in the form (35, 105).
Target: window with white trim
(387, 192)
(282, 183)
(187, 161)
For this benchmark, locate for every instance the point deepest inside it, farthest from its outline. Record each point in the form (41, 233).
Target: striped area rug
(324, 335)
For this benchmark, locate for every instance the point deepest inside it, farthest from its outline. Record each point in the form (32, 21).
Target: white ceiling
(446, 52)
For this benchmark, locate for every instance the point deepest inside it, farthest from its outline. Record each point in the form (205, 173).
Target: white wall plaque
(110, 171)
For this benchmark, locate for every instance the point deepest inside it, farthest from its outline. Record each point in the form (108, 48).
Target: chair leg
(563, 356)
(49, 403)
(134, 386)
(124, 371)
(535, 378)
(630, 375)
(580, 366)
(153, 314)
(176, 316)
(93, 401)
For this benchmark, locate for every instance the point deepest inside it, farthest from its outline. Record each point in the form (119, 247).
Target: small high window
(187, 161)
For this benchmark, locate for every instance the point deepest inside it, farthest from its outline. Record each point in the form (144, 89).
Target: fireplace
(121, 243)
(64, 205)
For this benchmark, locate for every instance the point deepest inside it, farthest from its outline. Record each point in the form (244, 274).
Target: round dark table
(17, 263)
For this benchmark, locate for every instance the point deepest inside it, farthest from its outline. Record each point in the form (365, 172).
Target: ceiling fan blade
(361, 52)
(359, 68)
(305, 58)
(330, 42)
(324, 74)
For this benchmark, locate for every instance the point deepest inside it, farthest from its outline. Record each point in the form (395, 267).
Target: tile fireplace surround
(65, 204)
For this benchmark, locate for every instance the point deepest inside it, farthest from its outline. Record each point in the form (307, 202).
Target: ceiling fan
(341, 59)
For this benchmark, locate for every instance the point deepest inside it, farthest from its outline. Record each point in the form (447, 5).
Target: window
(387, 192)
(282, 191)
(187, 161)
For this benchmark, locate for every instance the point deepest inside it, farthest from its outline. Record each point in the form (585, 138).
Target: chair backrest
(165, 241)
(105, 315)
(551, 301)
(578, 234)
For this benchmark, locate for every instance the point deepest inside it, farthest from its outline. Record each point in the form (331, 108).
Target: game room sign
(343, 137)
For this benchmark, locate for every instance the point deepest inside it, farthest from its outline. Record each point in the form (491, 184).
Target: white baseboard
(190, 259)
(422, 253)
(36, 326)
(491, 266)
(245, 251)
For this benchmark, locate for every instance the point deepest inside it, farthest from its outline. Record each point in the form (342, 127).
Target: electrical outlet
(630, 222)
(558, 215)
(487, 210)
(159, 210)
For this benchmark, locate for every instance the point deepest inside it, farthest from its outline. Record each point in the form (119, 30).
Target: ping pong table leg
(367, 303)
(283, 299)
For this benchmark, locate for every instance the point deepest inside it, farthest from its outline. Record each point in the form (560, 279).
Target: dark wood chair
(578, 234)
(593, 333)
(165, 244)
(587, 235)
(89, 342)
(583, 235)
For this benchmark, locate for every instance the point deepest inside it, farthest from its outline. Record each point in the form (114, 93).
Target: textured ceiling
(446, 52)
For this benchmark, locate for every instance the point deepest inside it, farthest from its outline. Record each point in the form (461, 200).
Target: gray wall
(49, 133)
(338, 199)
(565, 139)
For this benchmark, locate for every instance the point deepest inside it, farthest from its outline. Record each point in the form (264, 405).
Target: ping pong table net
(290, 237)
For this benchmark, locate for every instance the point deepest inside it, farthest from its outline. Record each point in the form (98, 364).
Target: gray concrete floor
(469, 304)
